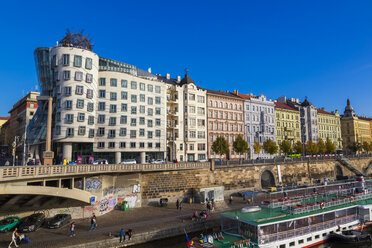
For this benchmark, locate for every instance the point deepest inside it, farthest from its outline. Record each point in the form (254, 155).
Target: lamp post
(48, 154)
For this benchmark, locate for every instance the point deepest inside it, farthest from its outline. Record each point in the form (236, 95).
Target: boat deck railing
(264, 239)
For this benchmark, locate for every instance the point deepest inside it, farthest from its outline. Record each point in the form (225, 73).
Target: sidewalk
(146, 222)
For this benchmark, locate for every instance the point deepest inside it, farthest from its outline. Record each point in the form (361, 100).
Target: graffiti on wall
(93, 183)
(103, 206)
(113, 190)
(131, 199)
(136, 188)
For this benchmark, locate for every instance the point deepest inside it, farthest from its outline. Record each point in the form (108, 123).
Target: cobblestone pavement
(140, 220)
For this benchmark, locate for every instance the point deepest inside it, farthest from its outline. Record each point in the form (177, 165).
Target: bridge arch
(267, 178)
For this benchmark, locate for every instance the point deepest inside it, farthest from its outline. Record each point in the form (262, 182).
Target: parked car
(9, 223)
(58, 221)
(129, 161)
(32, 223)
(158, 161)
(101, 161)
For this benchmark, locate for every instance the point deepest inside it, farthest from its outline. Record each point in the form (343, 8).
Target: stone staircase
(350, 166)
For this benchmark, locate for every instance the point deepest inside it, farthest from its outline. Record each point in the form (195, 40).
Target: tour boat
(302, 220)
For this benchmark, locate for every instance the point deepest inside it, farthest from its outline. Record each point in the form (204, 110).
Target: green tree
(321, 146)
(311, 147)
(330, 146)
(270, 147)
(366, 146)
(257, 147)
(285, 147)
(240, 145)
(220, 146)
(298, 148)
(355, 147)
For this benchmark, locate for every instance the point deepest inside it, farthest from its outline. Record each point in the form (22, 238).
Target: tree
(298, 148)
(330, 146)
(270, 147)
(257, 147)
(321, 146)
(240, 145)
(285, 147)
(220, 146)
(355, 147)
(366, 146)
(311, 147)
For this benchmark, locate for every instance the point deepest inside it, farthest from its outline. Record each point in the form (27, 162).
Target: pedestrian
(129, 232)
(230, 199)
(14, 238)
(122, 235)
(93, 222)
(72, 229)
(64, 161)
(178, 204)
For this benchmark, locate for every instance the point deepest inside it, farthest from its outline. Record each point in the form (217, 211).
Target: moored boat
(350, 236)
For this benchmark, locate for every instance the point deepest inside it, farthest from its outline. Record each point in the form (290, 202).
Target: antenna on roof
(186, 71)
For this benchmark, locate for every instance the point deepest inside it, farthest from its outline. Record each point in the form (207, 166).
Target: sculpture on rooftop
(76, 39)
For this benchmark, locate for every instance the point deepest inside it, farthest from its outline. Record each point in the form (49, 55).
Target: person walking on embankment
(14, 238)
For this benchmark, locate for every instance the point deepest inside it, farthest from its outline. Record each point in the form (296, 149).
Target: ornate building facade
(329, 125)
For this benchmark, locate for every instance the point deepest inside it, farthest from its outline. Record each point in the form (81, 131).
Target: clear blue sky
(320, 49)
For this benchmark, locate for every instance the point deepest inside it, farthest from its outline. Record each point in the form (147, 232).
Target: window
(54, 60)
(142, 132)
(58, 116)
(301, 241)
(112, 121)
(66, 59)
(157, 145)
(124, 107)
(79, 90)
(133, 98)
(101, 106)
(123, 119)
(157, 111)
(149, 123)
(69, 131)
(201, 99)
(157, 122)
(123, 131)
(282, 246)
(77, 61)
(133, 133)
(58, 130)
(133, 85)
(192, 97)
(132, 144)
(142, 98)
(149, 145)
(316, 236)
(102, 82)
(68, 104)
(88, 63)
(201, 147)
(89, 93)
(81, 117)
(69, 118)
(157, 89)
(149, 100)
(91, 133)
(102, 94)
(80, 103)
(66, 75)
(133, 122)
(324, 234)
(150, 88)
(157, 133)
(56, 76)
(309, 239)
(142, 145)
(133, 110)
(90, 120)
(113, 96)
(142, 109)
(81, 130)
(149, 134)
(142, 120)
(78, 76)
(101, 145)
(124, 95)
(101, 118)
(111, 145)
(157, 100)
(122, 144)
(124, 83)
(111, 133)
(113, 82)
(112, 108)
(89, 78)
(292, 244)
(142, 86)
(101, 131)
(150, 111)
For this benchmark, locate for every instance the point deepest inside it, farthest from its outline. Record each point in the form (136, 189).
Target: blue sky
(320, 49)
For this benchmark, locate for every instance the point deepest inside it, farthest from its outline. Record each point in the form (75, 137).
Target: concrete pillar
(67, 151)
(37, 152)
(32, 151)
(117, 157)
(72, 183)
(143, 158)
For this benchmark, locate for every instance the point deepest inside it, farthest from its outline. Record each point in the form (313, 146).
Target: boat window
(309, 239)
(285, 226)
(249, 230)
(329, 216)
(301, 241)
(324, 234)
(316, 219)
(292, 244)
(341, 213)
(331, 232)
(302, 222)
(317, 236)
(344, 228)
(350, 227)
(351, 211)
(282, 246)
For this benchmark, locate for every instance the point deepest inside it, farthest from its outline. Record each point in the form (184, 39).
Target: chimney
(251, 94)
(178, 78)
(149, 70)
(167, 76)
(236, 92)
(322, 108)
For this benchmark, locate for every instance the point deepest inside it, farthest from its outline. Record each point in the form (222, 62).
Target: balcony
(171, 112)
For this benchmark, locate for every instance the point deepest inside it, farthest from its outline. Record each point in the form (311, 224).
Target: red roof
(284, 106)
(244, 96)
(321, 111)
(5, 118)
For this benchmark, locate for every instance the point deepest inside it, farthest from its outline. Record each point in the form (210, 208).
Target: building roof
(244, 96)
(187, 80)
(222, 93)
(322, 111)
(284, 106)
(5, 118)
(306, 103)
(364, 118)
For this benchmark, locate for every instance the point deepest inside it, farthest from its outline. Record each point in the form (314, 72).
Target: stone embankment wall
(237, 177)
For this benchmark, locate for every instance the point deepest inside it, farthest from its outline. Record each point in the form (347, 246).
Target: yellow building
(287, 121)
(329, 127)
(354, 130)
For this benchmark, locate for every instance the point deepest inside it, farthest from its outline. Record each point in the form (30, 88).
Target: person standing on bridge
(72, 229)
(14, 238)
(93, 222)
(64, 161)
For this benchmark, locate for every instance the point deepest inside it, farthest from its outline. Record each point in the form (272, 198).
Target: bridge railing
(23, 172)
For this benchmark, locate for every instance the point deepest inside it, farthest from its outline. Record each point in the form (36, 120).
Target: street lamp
(48, 154)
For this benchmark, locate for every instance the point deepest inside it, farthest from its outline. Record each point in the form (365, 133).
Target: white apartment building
(259, 121)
